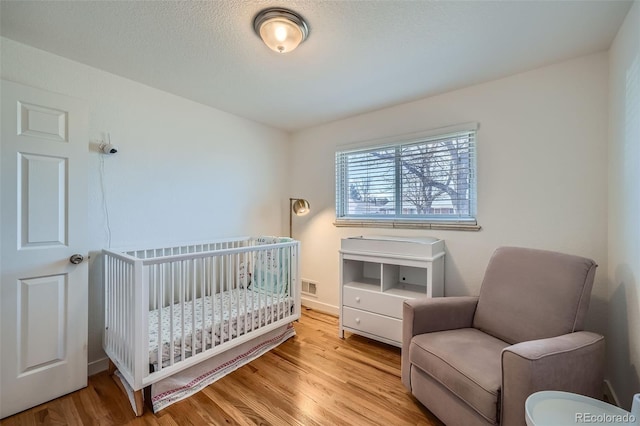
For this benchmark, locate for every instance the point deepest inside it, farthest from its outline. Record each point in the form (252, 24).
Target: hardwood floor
(314, 378)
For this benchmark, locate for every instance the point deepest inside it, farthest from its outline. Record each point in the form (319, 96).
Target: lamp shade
(301, 207)
(281, 30)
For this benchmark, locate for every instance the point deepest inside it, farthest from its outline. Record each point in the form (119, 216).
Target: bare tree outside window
(436, 173)
(432, 179)
(371, 183)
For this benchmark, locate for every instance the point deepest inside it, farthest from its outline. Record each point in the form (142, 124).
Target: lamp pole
(291, 217)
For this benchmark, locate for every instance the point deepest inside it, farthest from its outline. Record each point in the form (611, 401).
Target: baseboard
(610, 394)
(321, 307)
(98, 366)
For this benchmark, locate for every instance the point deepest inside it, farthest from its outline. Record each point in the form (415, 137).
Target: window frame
(399, 220)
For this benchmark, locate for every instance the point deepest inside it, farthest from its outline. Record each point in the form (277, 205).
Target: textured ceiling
(360, 55)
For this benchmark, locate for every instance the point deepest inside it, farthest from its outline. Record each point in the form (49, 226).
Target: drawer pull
(357, 320)
(357, 300)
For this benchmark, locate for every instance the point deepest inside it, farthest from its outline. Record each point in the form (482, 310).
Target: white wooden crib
(168, 309)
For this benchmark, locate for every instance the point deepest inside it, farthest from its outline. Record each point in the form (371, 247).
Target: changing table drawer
(383, 326)
(378, 302)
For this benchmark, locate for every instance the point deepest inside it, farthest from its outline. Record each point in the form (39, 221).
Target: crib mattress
(242, 311)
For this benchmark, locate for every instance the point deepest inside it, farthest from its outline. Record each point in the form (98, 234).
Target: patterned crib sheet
(239, 307)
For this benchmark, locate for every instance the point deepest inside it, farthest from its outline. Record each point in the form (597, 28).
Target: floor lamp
(300, 207)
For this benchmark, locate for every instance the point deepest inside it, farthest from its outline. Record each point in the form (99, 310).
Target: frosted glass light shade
(280, 29)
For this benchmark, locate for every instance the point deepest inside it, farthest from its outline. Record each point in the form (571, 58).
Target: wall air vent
(309, 288)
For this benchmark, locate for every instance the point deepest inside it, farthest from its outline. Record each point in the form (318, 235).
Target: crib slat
(214, 308)
(203, 295)
(265, 286)
(245, 278)
(219, 289)
(160, 351)
(277, 312)
(183, 330)
(269, 285)
(120, 313)
(126, 299)
(120, 319)
(116, 313)
(227, 259)
(128, 334)
(274, 283)
(193, 309)
(126, 292)
(290, 281)
(257, 287)
(171, 315)
(236, 291)
(254, 284)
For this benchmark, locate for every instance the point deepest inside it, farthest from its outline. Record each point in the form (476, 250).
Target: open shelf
(369, 284)
(407, 290)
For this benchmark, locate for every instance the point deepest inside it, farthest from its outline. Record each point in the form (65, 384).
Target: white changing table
(378, 273)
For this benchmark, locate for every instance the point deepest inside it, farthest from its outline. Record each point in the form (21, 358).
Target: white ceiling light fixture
(281, 29)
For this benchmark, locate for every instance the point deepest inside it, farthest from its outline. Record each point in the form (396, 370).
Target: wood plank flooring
(314, 378)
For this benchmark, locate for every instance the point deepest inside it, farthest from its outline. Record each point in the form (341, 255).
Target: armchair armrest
(572, 362)
(427, 315)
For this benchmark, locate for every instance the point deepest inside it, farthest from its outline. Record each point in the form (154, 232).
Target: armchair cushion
(530, 294)
(427, 315)
(466, 361)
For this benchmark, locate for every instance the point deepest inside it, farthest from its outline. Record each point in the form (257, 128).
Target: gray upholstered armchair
(475, 360)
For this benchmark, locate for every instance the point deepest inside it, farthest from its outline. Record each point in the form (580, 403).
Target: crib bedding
(252, 307)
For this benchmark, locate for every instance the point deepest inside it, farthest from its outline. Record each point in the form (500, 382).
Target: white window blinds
(429, 178)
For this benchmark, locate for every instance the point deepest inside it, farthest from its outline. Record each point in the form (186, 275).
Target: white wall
(542, 174)
(184, 172)
(623, 339)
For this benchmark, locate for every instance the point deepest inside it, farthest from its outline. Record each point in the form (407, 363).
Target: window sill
(406, 224)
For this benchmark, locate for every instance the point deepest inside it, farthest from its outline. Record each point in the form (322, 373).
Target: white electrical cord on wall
(105, 206)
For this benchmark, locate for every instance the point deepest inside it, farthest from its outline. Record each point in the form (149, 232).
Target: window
(417, 180)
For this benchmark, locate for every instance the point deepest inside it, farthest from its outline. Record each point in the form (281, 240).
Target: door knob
(76, 258)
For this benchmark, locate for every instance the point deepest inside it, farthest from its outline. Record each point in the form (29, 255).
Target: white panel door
(43, 296)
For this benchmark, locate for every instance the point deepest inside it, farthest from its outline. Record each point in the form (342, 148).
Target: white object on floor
(548, 408)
